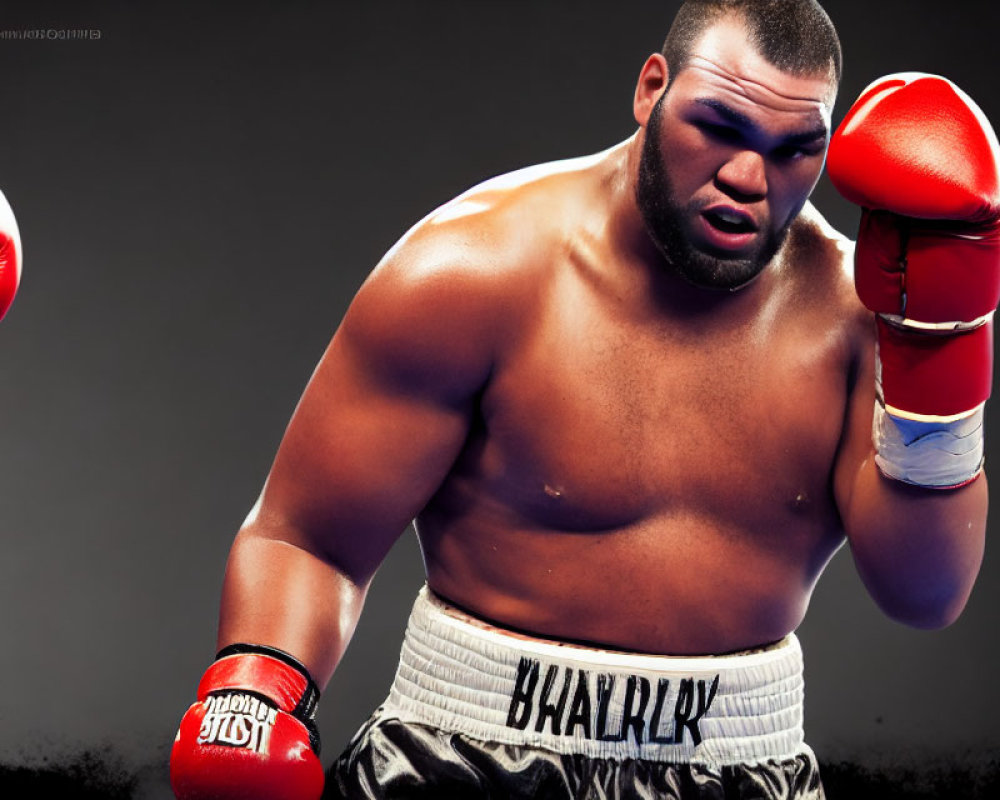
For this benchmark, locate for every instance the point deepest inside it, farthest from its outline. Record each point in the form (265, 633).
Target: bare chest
(602, 422)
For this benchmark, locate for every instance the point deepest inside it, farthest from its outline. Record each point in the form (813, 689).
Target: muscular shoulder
(822, 260)
(816, 247)
(454, 290)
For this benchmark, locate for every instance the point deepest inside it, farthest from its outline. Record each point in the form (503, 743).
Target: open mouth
(729, 221)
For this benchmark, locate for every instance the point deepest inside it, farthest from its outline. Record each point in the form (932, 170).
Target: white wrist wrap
(939, 455)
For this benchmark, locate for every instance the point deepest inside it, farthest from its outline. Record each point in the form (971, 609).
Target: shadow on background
(845, 781)
(100, 774)
(91, 775)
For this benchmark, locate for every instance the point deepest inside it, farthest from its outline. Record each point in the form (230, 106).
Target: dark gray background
(200, 192)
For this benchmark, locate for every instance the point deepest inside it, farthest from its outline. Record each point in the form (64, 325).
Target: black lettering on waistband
(527, 672)
(635, 720)
(605, 688)
(545, 708)
(579, 709)
(685, 701)
(662, 690)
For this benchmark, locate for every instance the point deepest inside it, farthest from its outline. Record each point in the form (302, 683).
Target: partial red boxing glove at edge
(10, 256)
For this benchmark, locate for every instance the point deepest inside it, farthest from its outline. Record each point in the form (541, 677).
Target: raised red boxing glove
(251, 733)
(923, 162)
(10, 256)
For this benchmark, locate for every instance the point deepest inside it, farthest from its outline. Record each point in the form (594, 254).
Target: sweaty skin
(595, 449)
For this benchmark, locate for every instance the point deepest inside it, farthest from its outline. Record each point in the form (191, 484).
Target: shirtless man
(629, 400)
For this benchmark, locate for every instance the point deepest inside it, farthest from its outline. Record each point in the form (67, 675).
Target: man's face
(731, 153)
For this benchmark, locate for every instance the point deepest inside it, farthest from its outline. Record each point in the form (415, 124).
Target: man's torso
(641, 472)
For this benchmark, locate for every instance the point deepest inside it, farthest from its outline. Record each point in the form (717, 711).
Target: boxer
(634, 404)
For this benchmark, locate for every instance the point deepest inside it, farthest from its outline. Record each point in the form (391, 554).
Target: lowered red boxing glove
(10, 256)
(251, 734)
(922, 160)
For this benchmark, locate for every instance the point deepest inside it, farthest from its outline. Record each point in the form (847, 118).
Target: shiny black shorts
(392, 759)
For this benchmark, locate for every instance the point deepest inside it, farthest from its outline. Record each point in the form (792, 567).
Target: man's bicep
(373, 436)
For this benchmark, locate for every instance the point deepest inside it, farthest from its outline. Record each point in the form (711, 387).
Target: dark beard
(664, 221)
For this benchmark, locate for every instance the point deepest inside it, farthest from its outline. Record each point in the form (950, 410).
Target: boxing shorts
(477, 712)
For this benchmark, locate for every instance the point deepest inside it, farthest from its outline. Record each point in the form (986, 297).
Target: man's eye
(721, 132)
(788, 152)
(792, 151)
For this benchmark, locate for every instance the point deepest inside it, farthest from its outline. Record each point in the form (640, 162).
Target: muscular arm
(379, 425)
(918, 551)
(921, 160)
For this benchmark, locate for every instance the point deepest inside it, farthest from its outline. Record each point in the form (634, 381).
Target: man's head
(796, 36)
(735, 133)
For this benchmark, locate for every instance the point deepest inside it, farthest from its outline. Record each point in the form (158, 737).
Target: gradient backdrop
(200, 192)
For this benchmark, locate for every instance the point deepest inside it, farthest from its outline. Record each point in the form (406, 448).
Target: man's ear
(652, 83)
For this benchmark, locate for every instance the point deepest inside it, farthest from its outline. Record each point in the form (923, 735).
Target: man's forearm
(287, 615)
(917, 550)
(281, 595)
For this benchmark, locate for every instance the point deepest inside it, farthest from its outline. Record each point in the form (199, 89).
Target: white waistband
(489, 685)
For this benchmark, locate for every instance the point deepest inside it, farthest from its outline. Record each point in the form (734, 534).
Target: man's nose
(744, 175)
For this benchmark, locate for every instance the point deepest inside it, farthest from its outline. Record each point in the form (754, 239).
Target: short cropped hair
(796, 36)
